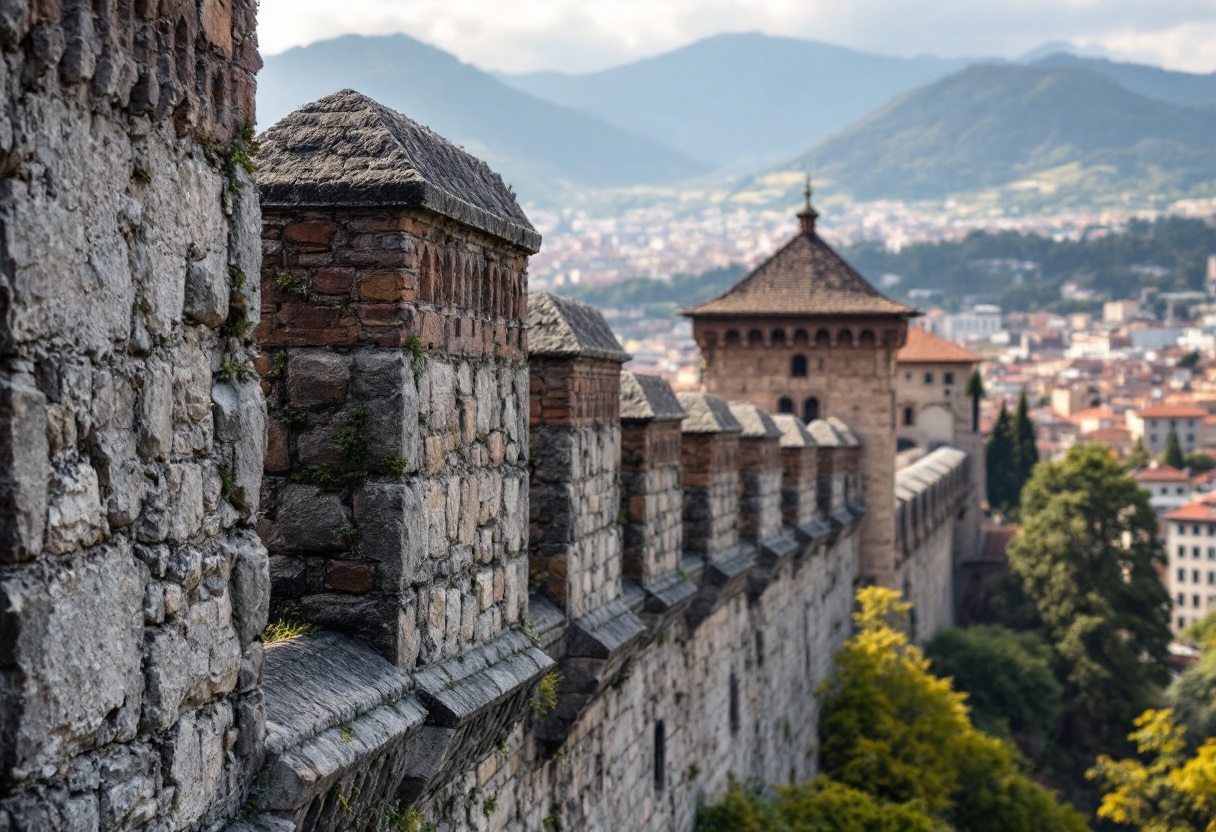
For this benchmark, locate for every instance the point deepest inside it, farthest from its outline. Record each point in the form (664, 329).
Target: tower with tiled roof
(805, 333)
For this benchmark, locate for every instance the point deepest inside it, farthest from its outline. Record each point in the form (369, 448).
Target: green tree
(1007, 676)
(1198, 462)
(1139, 457)
(1192, 694)
(1189, 360)
(1172, 455)
(999, 460)
(1165, 790)
(892, 729)
(1025, 445)
(819, 806)
(975, 391)
(1088, 556)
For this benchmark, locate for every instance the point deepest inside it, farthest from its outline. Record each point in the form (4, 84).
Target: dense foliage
(820, 806)
(1088, 557)
(1010, 456)
(1165, 789)
(892, 729)
(1192, 694)
(1007, 676)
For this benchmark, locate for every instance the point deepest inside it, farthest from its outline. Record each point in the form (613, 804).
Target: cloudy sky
(584, 35)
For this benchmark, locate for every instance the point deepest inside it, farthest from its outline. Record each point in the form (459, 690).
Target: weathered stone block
(307, 520)
(76, 639)
(317, 377)
(25, 469)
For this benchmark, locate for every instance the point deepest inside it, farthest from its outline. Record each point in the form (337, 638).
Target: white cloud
(583, 35)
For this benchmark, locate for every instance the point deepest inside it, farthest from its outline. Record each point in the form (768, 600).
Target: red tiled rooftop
(923, 347)
(1162, 473)
(1200, 510)
(1174, 411)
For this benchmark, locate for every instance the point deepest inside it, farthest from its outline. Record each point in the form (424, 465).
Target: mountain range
(1055, 129)
(723, 109)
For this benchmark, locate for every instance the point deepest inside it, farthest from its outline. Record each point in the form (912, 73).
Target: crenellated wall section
(541, 592)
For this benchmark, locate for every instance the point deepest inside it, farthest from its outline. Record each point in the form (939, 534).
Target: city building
(1152, 426)
(1190, 541)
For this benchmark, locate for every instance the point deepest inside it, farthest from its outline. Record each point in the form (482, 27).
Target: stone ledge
(596, 650)
(724, 577)
(549, 621)
(771, 554)
(472, 700)
(338, 714)
(315, 683)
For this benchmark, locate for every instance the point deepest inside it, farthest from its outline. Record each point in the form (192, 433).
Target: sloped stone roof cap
(563, 327)
(793, 431)
(929, 469)
(756, 423)
(923, 347)
(804, 277)
(346, 150)
(846, 433)
(648, 397)
(707, 414)
(825, 435)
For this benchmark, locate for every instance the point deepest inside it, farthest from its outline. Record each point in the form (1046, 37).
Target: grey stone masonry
(396, 494)
(651, 495)
(709, 453)
(133, 587)
(761, 471)
(575, 536)
(800, 460)
(833, 474)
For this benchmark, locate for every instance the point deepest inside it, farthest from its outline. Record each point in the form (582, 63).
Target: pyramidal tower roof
(804, 277)
(347, 150)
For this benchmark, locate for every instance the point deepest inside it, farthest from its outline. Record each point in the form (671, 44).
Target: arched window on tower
(778, 337)
(810, 409)
(732, 337)
(867, 339)
(823, 339)
(755, 338)
(909, 417)
(800, 337)
(844, 338)
(785, 405)
(798, 367)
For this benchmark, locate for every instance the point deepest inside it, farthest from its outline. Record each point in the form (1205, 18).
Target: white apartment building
(1153, 425)
(1190, 542)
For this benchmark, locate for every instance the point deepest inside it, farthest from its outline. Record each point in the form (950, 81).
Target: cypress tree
(1173, 451)
(1002, 482)
(975, 389)
(1025, 447)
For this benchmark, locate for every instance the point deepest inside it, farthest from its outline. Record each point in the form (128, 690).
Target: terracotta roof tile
(923, 347)
(1201, 510)
(1174, 411)
(804, 277)
(1163, 473)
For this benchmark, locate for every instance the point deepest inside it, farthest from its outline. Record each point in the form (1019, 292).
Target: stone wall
(132, 584)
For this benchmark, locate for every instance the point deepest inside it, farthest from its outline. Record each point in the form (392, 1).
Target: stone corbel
(724, 577)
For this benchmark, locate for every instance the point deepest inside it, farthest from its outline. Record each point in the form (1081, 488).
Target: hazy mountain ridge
(538, 146)
(1184, 88)
(1071, 130)
(739, 101)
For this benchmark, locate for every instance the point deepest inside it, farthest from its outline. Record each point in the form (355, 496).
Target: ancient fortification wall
(133, 587)
(455, 484)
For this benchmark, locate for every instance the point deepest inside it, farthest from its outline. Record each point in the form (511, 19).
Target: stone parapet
(652, 496)
(396, 487)
(799, 480)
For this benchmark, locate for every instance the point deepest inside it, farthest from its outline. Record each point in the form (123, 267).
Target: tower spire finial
(808, 215)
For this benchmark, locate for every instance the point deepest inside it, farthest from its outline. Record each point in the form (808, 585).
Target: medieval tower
(804, 333)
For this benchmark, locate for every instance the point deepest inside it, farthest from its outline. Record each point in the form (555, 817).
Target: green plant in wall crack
(490, 805)
(352, 440)
(414, 346)
(289, 283)
(281, 630)
(528, 628)
(392, 463)
(545, 698)
(349, 535)
(231, 369)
